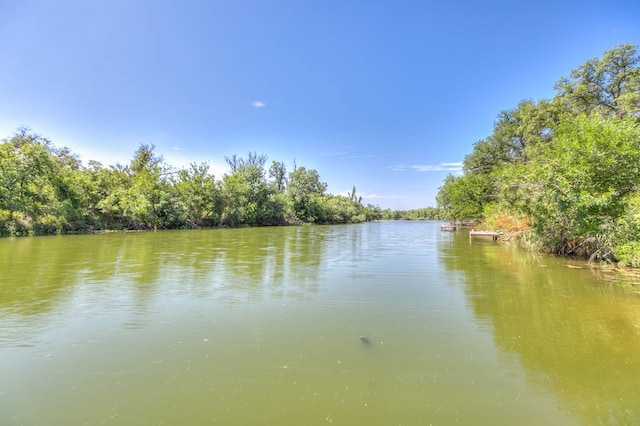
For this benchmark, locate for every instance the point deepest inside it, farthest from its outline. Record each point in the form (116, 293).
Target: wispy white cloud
(442, 167)
(258, 104)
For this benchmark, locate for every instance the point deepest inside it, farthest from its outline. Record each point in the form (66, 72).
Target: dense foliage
(563, 174)
(427, 213)
(46, 190)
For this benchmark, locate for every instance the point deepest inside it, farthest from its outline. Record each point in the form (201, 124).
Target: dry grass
(513, 226)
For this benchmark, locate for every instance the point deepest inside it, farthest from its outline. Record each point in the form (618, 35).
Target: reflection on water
(574, 327)
(263, 325)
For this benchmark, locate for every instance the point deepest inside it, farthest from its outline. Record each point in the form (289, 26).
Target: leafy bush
(629, 254)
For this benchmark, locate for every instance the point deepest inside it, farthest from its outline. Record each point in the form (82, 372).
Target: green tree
(198, 195)
(278, 174)
(110, 187)
(530, 123)
(575, 189)
(464, 197)
(628, 250)
(608, 86)
(304, 189)
(140, 197)
(336, 209)
(246, 195)
(44, 189)
(32, 178)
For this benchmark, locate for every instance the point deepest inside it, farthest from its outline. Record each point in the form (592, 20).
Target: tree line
(426, 213)
(47, 190)
(563, 175)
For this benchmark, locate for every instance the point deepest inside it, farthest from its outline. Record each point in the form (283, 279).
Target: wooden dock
(492, 234)
(448, 227)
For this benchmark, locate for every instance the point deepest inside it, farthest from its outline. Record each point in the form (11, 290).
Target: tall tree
(304, 189)
(464, 197)
(198, 195)
(278, 174)
(576, 189)
(142, 197)
(28, 173)
(610, 86)
(530, 123)
(235, 163)
(246, 194)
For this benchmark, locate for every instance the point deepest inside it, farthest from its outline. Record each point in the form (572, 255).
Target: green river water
(262, 326)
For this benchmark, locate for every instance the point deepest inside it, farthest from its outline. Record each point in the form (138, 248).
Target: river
(386, 323)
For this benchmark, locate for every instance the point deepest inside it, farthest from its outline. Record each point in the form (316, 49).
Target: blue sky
(385, 95)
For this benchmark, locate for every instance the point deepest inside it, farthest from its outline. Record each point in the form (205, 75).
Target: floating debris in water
(364, 339)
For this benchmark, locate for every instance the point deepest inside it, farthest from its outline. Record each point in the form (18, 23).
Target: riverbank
(517, 229)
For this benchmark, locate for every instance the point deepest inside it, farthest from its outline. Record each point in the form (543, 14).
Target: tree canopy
(567, 168)
(44, 189)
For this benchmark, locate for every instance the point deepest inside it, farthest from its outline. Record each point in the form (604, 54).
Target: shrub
(629, 254)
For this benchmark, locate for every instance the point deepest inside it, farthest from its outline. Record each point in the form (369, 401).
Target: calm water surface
(263, 326)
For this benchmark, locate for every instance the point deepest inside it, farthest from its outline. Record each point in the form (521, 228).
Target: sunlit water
(263, 326)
